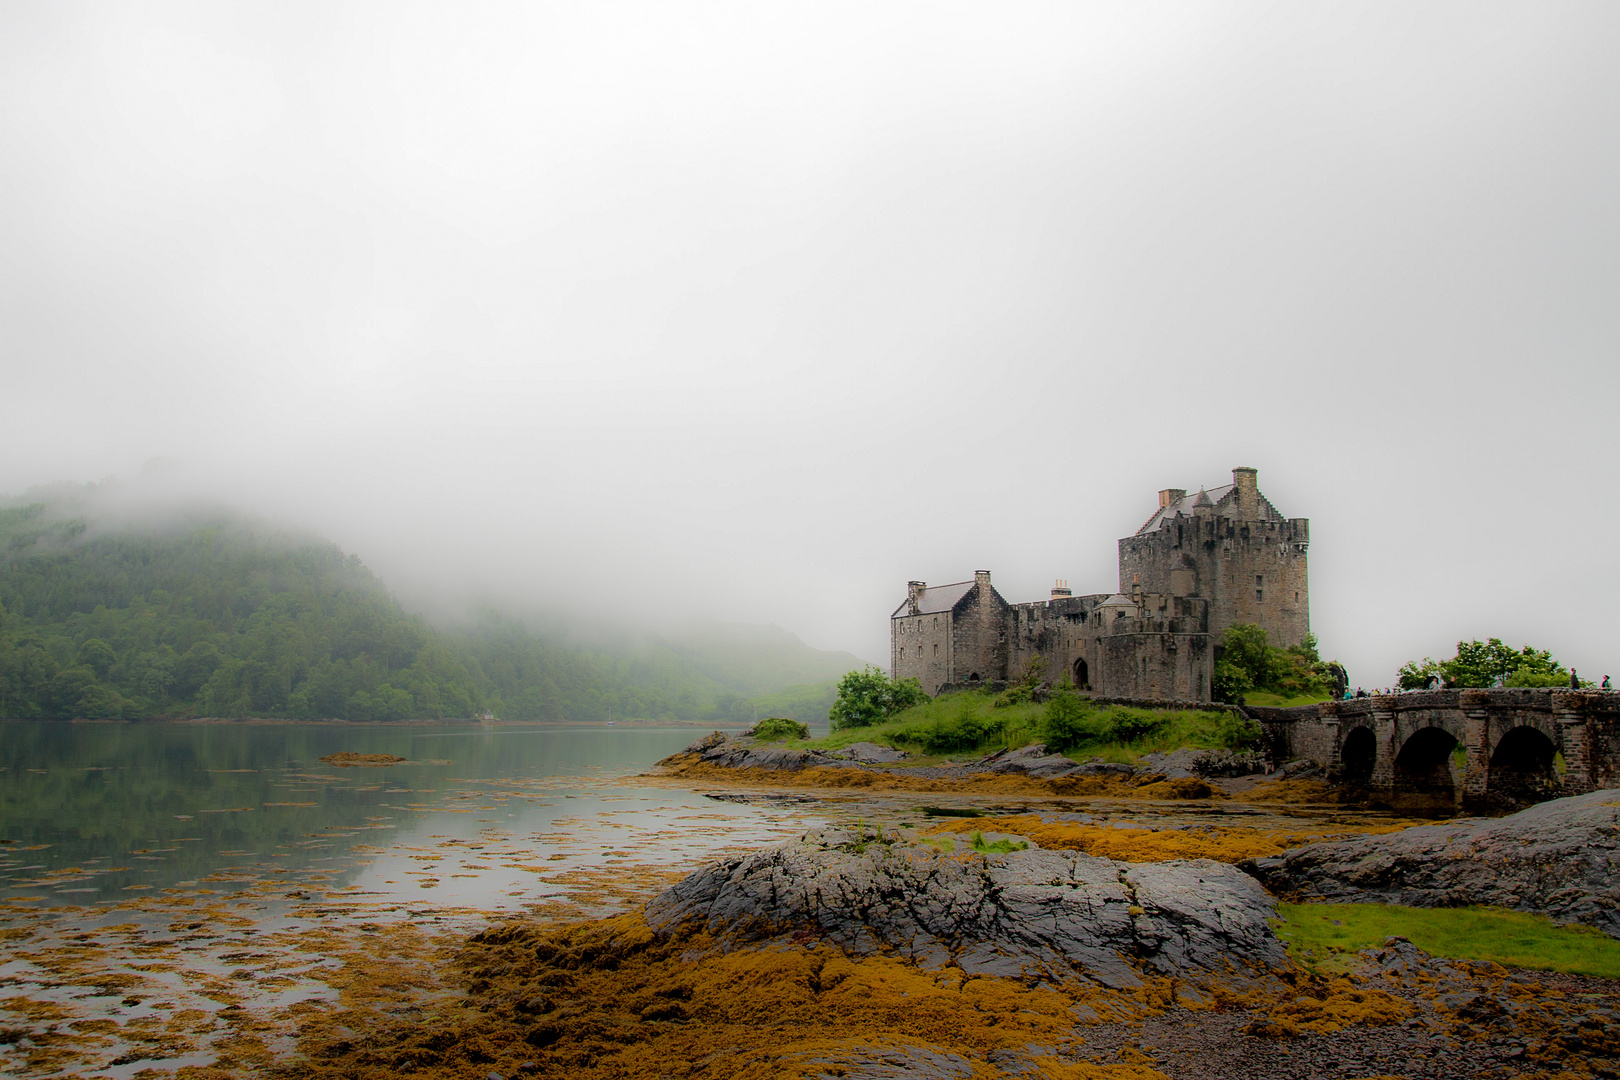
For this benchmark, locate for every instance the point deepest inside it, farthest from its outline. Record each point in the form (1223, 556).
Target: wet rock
(1398, 956)
(746, 753)
(708, 742)
(1228, 763)
(1176, 765)
(868, 753)
(1022, 914)
(1558, 858)
(1032, 760)
(896, 1063)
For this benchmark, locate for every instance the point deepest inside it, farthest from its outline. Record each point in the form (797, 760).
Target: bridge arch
(1359, 754)
(1423, 765)
(1522, 765)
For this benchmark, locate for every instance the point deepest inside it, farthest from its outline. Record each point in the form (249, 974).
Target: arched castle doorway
(1082, 675)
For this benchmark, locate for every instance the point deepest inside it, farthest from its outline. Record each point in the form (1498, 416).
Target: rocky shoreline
(874, 954)
(1028, 770)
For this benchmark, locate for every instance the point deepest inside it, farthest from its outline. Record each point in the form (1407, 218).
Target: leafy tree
(868, 697)
(1229, 682)
(1248, 661)
(98, 656)
(1484, 664)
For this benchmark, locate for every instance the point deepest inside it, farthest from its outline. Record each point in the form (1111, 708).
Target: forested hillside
(221, 616)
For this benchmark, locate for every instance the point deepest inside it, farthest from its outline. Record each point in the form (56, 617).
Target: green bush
(1229, 682)
(1235, 731)
(868, 697)
(1249, 662)
(1065, 723)
(779, 727)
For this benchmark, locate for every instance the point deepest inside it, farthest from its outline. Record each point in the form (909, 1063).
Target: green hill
(214, 614)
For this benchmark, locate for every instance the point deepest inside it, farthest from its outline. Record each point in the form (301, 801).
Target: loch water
(97, 813)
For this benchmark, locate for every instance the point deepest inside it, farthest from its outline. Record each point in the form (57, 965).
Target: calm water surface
(97, 813)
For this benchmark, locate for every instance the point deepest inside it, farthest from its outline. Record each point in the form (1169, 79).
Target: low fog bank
(645, 314)
(165, 500)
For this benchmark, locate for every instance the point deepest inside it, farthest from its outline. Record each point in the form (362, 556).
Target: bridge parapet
(1404, 743)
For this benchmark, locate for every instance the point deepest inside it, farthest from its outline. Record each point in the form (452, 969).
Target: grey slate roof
(935, 599)
(1185, 506)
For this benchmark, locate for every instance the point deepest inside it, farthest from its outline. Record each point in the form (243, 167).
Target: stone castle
(1200, 564)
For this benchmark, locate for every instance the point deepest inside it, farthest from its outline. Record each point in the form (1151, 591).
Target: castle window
(1259, 595)
(936, 649)
(1259, 580)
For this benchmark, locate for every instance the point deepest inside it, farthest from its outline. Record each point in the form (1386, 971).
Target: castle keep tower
(1230, 545)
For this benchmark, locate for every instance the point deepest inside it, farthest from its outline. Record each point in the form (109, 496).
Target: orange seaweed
(1223, 843)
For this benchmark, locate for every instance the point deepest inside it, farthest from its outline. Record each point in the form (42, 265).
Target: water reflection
(93, 813)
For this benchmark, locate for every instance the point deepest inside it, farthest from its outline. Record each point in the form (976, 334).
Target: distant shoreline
(219, 720)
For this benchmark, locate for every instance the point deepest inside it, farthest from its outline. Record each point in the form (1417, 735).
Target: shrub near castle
(1066, 722)
(1251, 665)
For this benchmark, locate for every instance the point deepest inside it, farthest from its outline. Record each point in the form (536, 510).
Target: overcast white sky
(759, 310)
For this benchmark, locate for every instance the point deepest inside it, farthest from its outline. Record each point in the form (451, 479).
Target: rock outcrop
(1560, 858)
(1031, 914)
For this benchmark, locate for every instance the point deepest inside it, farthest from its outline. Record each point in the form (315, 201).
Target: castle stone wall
(920, 648)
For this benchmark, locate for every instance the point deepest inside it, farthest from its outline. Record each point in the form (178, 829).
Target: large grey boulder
(1033, 760)
(1031, 914)
(869, 753)
(1560, 858)
(748, 753)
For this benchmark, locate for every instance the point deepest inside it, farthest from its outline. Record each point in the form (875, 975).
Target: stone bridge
(1479, 749)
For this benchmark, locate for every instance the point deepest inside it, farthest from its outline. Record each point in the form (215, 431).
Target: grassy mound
(973, 723)
(1318, 933)
(779, 727)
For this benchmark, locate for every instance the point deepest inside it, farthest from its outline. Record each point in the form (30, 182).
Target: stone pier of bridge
(1481, 749)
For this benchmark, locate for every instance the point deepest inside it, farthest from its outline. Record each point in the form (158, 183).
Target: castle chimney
(1171, 495)
(914, 591)
(1061, 588)
(1247, 482)
(982, 578)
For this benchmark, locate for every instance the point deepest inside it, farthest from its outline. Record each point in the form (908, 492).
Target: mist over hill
(119, 610)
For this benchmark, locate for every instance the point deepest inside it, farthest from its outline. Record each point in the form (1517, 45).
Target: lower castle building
(1199, 565)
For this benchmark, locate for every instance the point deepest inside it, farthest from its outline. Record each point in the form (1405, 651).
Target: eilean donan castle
(1201, 563)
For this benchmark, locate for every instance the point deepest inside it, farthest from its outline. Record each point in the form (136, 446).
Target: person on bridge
(1606, 685)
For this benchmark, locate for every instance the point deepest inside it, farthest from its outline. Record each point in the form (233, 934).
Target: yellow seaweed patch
(1290, 791)
(1340, 1005)
(345, 758)
(610, 999)
(1228, 843)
